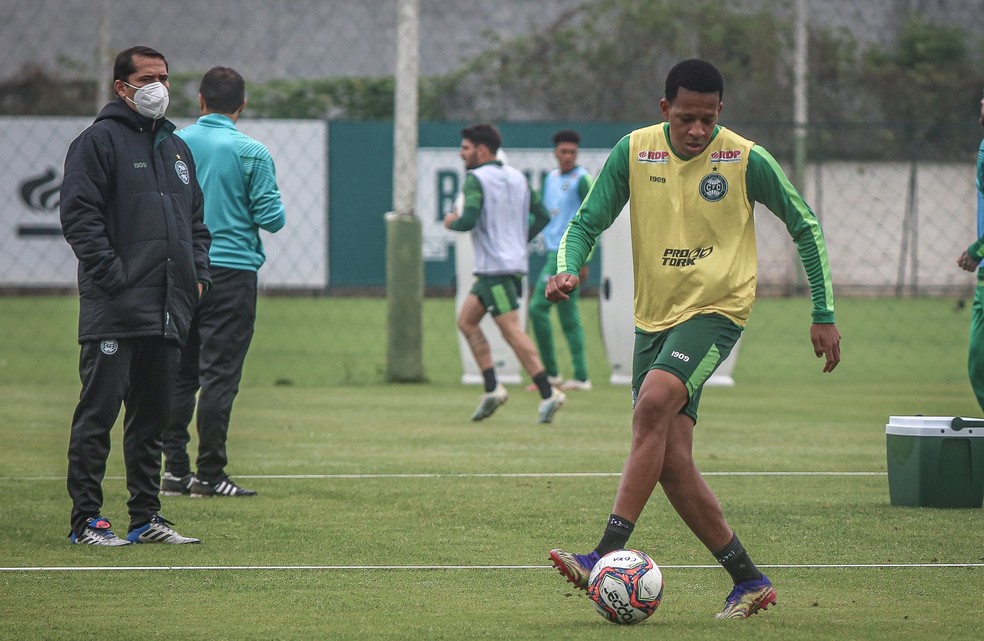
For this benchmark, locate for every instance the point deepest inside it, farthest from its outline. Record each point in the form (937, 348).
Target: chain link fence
(893, 91)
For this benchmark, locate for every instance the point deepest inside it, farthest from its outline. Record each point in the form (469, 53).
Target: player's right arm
(970, 259)
(472, 192)
(84, 194)
(266, 205)
(600, 208)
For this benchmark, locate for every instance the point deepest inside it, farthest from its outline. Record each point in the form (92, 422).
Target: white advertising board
(33, 252)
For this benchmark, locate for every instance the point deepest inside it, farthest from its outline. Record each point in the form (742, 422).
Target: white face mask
(151, 100)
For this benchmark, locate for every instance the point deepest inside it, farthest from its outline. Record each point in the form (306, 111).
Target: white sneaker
(490, 402)
(549, 406)
(158, 531)
(574, 384)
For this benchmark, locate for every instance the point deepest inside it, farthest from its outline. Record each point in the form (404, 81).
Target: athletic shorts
(498, 294)
(691, 351)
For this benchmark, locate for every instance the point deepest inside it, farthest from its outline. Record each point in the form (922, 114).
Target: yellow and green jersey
(693, 229)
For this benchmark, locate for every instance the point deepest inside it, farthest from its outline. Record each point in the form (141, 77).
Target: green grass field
(384, 513)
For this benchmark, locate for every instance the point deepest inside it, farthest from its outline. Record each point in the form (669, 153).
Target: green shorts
(691, 351)
(498, 294)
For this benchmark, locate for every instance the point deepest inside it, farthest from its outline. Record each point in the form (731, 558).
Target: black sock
(735, 560)
(542, 384)
(616, 535)
(490, 380)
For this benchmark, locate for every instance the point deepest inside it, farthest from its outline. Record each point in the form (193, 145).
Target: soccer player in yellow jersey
(691, 185)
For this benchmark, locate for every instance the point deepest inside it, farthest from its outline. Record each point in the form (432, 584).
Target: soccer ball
(625, 586)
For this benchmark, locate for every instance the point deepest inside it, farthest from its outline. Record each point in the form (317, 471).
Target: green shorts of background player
(570, 323)
(498, 294)
(975, 356)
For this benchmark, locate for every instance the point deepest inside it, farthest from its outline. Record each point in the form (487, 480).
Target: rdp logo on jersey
(660, 157)
(726, 155)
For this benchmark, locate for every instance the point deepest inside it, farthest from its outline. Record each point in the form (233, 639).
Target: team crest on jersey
(182, 170)
(713, 187)
(109, 346)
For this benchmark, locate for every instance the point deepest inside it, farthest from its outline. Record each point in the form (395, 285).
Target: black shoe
(172, 485)
(223, 487)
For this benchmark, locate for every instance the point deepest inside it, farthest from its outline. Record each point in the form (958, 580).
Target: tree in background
(605, 61)
(927, 85)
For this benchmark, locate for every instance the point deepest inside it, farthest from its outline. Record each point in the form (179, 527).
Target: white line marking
(110, 568)
(444, 475)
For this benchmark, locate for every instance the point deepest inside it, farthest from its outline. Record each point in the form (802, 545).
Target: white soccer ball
(626, 586)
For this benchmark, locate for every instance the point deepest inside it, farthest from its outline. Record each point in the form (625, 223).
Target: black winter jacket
(132, 210)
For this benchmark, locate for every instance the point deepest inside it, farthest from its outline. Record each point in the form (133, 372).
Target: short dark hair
(566, 135)
(124, 67)
(483, 134)
(223, 89)
(696, 75)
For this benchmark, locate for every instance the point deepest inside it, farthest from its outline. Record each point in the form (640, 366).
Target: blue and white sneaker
(158, 530)
(97, 532)
(576, 568)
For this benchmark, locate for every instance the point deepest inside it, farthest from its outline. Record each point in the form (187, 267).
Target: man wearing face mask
(132, 211)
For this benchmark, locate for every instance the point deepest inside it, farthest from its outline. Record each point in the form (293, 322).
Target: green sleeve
(584, 186)
(539, 216)
(602, 205)
(768, 184)
(976, 251)
(472, 209)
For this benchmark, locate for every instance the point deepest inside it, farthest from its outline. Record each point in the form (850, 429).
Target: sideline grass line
(444, 475)
(111, 568)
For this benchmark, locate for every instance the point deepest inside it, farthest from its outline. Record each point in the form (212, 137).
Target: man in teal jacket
(238, 180)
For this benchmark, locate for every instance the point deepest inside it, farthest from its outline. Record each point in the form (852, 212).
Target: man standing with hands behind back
(238, 178)
(131, 209)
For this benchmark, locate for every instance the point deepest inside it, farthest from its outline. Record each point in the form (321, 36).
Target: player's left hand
(449, 218)
(966, 263)
(559, 286)
(826, 342)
